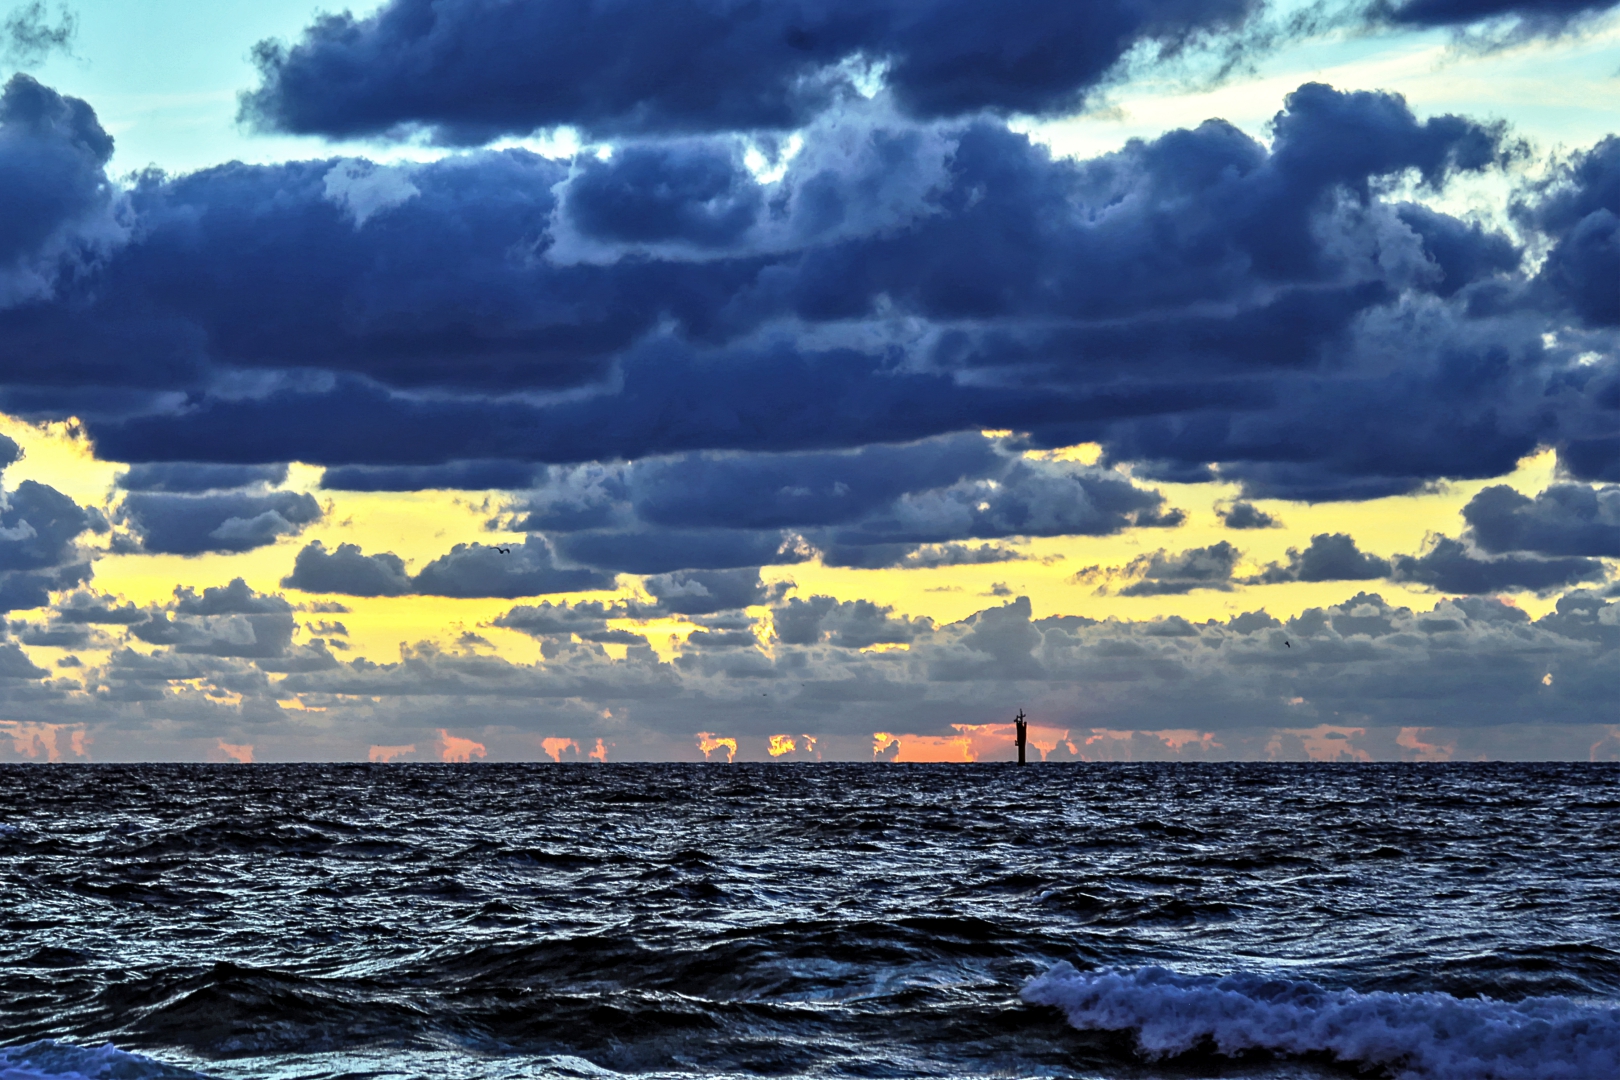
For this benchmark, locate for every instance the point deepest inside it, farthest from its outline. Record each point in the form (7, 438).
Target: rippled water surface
(818, 920)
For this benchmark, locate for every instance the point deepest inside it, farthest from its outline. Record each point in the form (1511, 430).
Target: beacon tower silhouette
(1022, 726)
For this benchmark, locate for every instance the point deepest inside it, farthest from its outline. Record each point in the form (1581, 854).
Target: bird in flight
(1290, 644)
(503, 550)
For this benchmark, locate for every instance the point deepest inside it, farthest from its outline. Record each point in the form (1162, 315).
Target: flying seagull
(503, 550)
(1290, 644)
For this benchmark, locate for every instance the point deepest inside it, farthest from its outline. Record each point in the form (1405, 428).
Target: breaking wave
(52, 1060)
(1426, 1036)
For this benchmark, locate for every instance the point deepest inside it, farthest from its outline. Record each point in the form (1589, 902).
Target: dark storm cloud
(1305, 260)
(1330, 557)
(453, 475)
(1245, 515)
(1462, 251)
(1565, 519)
(176, 524)
(1449, 566)
(1533, 16)
(58, 203)
(695, 193)
(1580, 210)
(1023, 498)
(526, 569)
(1201, 298)
(186, 477)
(899, 505)
(802, 490)
(471, 70)
(907, 505)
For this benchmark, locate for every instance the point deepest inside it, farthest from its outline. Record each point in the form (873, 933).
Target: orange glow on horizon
(555, 745)
(454, 748)
(32, 739)
(1606, 748)
(242, 753)
(600, 753)
(1411, 738)
(1324, 742)
(782, 744)
(708, 742)
(389, 753)
(1179, 739)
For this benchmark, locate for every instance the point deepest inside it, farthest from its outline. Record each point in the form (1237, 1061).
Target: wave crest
(52, 1060)
(1427, 1036)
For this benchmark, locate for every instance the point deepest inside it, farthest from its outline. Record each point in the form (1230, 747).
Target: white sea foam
(51, 1060)
(1429, 1036)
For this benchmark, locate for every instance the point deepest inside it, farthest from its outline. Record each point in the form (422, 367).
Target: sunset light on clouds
(1217, 392)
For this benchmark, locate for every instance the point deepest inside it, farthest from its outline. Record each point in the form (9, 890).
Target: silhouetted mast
(1022, 726)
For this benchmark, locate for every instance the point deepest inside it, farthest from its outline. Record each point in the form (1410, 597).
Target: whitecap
(52, 1060)
(1422, 1036)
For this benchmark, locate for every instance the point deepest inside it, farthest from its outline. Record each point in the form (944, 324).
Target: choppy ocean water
(1436, 921)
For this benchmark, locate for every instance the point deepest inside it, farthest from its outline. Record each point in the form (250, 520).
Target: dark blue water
(810, 920)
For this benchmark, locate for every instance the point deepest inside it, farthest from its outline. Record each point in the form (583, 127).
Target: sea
(1431, 921)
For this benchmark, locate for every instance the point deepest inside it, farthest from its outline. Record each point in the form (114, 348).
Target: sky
(479, 380)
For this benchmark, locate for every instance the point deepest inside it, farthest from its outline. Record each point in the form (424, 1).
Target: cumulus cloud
(850, 624)
(457, 475)
(587, 619)
(223, 655)
(915, 556)
(1450, 566)
(1161, 573)
(1330, 557)
(188, 478)
(704, 592)
(170, 523)
(472, 71)
(60, 207)
(1565, 519)
(38, 529)
(1579, 209)
(347, 571)
(879, 506)
(1245, 515)
(1308, 336)
(526, 569)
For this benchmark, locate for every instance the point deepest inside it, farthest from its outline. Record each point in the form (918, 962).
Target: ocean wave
(52, 1060)
(1427, 1036)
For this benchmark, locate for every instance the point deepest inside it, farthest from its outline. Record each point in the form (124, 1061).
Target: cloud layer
(1194, 301)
